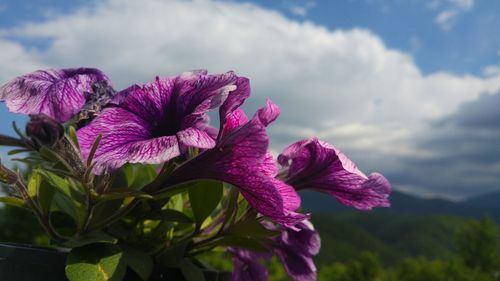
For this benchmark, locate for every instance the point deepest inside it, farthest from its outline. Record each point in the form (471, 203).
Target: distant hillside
(402, 203)
(488, 200)
(392, 236)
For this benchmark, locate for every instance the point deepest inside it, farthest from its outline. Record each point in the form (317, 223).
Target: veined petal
(150, 100)
(59, 94)
(269, 113)
(197, 93)
(239, 158)
(125, 138)
(236, 119)
(246, 265)
(168, 115)
(296, 248)
(316, 165)
(230, 108)
(195, 138)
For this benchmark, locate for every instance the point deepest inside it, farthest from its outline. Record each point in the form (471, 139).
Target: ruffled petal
(59, 94)
(296, 248)
(246, 266)
(197, 93)
(239, 158)
(125, 138)
(234, 100)
(193, 137)
(150, 100)
(234, 120)
(316, 165)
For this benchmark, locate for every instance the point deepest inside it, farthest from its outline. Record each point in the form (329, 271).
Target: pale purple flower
(59, 94)
(294, 248)
(157, 121)
(247, 265)
(240, 158)
(316, 165)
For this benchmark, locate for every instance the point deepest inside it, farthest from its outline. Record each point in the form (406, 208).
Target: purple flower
(316, 165)
(157, 121)
(296, 249)
(240, 158)
(59, 94)
(247, 265)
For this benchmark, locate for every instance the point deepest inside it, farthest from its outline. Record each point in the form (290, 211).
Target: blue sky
(394, 84)
(465, 43)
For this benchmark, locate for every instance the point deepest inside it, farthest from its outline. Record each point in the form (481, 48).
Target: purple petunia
(294, 248)
(240, 157)
(59, 94)
(157, 121)
(247, 265)
(316, 165)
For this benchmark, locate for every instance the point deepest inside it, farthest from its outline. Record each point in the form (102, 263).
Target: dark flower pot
(28, 263)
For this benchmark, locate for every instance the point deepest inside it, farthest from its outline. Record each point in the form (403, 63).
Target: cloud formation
(452, 9)
(345, 86)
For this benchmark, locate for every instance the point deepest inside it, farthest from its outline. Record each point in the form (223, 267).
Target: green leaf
(176, 202)
(53, 156)
(190, 271)
(250, 228)
(138, 261)
(92, 238)
(34, 184)
(102, 211)
(45, 194)
(73, 137)
(172, 256)
(139, 175)
(204, 197)
(170, 215)
(16, 151)
(231, 204)
(62, 185)
(12, 201)
(243, 242)
(96, 262)
(123, 193)
(93, 150)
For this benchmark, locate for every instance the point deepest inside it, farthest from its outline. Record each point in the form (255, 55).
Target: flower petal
(316, 165)
(239, 158)
(269, 113)
(195, 138)
(246, 266)
(234, 100)
(295, 249)
(125, 138)
(59, 94)
(150, 101)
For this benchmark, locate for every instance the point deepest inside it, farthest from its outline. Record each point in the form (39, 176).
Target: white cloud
(447, 18)
(300, 8)
(492, 70)
(343, 85)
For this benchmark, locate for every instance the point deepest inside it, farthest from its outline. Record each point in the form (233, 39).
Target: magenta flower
(157, 121)
(59, 94)
(316, 165)
(240, 158)
(294, 248)
(247, 265)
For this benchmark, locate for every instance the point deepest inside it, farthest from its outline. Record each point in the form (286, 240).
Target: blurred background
(410, 89)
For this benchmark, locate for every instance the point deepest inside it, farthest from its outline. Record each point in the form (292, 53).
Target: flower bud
(7, 176)
(44, 130)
